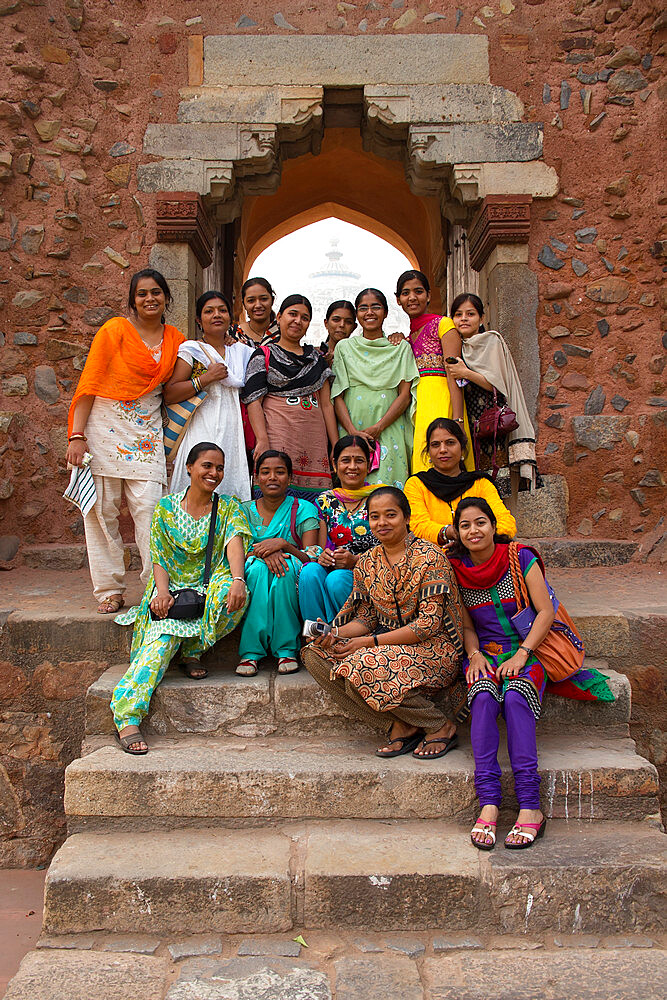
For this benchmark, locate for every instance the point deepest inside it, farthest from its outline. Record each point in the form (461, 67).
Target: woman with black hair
(116, 417)
(339, 322)
(220, 368)
(374, 390)
(282, 527)
(435, 494)
(398, 634)
(344, 534)
(178, 543)
(260, 325)
(487, 365)
(289, 402)
(432, 339)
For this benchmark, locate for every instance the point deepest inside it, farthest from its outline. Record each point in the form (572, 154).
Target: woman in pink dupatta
(432, 338)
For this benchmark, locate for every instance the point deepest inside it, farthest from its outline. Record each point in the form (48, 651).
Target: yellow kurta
(429, 514)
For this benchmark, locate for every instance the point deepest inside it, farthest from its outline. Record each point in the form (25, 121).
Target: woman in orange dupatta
(115, 415)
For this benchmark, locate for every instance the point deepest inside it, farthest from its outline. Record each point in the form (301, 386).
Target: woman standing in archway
(289, 403)
(432, 339)
(374, 390)
(260, 326)
(340, 322)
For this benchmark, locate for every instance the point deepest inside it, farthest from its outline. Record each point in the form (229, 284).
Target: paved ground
(21, 899)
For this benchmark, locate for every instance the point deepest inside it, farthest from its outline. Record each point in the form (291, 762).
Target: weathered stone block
(477, 143)
(345, 61)
(599, 431)
(83, 975)
(544, 513)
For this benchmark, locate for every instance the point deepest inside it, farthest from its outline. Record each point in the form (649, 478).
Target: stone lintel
(501, 219)
(433, 145)
(209, 141)
(345, 60)
(470, 182)
(262, 105)
(448, 103)
(181, 218)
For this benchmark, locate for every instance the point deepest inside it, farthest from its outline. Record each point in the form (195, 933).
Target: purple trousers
(521, 744)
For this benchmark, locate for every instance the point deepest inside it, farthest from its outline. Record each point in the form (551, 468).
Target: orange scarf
(120, 366)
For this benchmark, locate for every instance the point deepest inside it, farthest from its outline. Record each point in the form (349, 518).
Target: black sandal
(407, 744)
(450, 744)
(188, 666)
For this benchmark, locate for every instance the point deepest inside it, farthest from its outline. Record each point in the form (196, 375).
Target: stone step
(371, 875)
(225, 704)
(200, 781)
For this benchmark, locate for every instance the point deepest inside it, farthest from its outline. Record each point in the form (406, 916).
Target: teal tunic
(272, 622)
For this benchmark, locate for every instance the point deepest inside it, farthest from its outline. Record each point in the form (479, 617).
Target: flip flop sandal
(407, 743)
(247, 668)
(288, 665)
(112, 604)
(532, 837)
(450, 744)
(189, 666)
(127, 741)
(484, 826)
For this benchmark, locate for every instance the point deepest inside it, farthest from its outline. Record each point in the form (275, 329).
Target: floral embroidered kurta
(125, 438)
(419, 591)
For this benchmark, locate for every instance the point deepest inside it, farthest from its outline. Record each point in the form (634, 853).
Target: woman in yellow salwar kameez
(432, 339)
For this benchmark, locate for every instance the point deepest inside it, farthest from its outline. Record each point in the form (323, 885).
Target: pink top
(426, 346)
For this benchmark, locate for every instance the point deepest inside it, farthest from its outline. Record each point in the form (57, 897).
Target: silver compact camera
(313, 630)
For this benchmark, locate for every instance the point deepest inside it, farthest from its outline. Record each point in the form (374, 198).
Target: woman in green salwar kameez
(374, 391)
(179, 534)
(282, 528)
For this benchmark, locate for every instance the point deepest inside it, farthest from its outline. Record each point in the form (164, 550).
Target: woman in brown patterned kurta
(397, 637)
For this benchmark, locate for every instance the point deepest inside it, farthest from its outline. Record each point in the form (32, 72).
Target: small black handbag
(188, 603)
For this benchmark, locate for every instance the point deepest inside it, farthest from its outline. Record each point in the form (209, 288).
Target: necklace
(357, 505)
(190, 514)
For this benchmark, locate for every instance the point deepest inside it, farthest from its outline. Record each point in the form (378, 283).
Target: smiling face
(413, 298)
(207, 470)
(340, 325)
(273, 478)
(215, 318)
(352, 467)
(444, 450)
(257, 303)
(476, 532)
(371, 314)
(294, 322)
(149, 300)
(467, 320)
(386, 520)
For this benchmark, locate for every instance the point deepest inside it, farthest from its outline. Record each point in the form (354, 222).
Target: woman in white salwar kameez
(218, 368)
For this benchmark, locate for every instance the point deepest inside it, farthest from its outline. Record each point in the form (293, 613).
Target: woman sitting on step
(435, 494)
(398, 634)
(325, 585)
(503, 672)
(178, 546)
(281, 528)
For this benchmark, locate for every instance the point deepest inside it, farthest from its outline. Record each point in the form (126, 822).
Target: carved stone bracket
(501, 219)
(181, 218)
(218, 179)
(465, 182)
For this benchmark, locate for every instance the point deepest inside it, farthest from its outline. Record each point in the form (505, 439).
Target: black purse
(188, 603)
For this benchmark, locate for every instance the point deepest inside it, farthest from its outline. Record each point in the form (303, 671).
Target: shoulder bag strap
(211, 537)
(520, 589)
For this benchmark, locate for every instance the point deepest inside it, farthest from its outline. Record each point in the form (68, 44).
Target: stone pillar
(183, 249)
(498, 242)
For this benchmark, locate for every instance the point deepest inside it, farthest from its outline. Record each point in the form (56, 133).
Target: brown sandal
(111, 605)
(127, 742)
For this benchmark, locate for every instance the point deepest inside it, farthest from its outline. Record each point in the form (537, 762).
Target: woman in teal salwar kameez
(282, 528)
(179, 534)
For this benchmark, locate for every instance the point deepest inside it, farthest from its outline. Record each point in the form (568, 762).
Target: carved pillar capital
(501, 219)
(182, 218)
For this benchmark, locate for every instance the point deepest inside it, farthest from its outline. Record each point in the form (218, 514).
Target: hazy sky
(290, 262)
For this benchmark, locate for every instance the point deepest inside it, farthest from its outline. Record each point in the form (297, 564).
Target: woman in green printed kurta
(179, 534)
(374, 390)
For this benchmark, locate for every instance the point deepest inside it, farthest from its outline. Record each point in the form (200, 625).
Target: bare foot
(435, 743)
(525, 816)
(488, 816)
(399, 731)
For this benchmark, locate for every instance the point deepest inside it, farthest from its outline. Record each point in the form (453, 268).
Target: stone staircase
(262, 811)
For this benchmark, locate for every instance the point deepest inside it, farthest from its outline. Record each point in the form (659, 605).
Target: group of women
(397, 567)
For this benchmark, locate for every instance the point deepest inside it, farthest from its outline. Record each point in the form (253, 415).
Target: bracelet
(240, 580)
(375, 641)
(470, 655)
(196, 383)
(526, 649)
(77, 437)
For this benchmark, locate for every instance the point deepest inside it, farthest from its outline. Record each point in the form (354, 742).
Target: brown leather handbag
(495, 422)
(561, 652)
